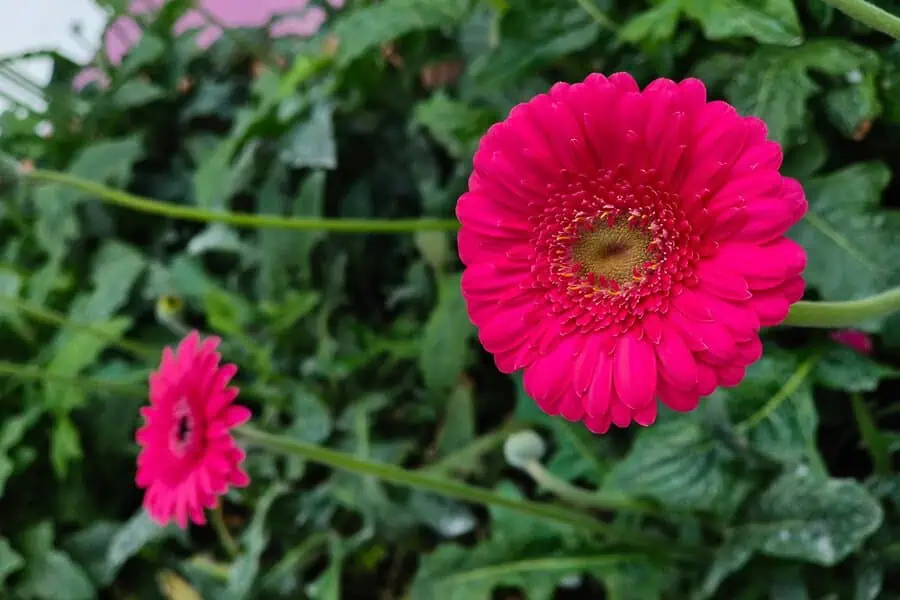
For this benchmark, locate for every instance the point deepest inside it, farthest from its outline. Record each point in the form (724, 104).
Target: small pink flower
(188, 456)
(853, 338)
(624, 246)
(90, 75)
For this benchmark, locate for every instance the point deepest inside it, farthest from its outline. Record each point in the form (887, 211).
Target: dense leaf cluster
(784, 487)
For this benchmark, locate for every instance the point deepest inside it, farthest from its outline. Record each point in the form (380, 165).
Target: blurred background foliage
(785, 487)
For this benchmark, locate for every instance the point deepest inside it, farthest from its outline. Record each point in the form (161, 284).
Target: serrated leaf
(310, 143)
(116, 269)
(10, 560)
(130, 538)
(679, 464)
(245, 569)
(444, 353)
(846, 235)
(453, 124)
(367, 28)
(49, 573)
(843, 368)
(809, 518)
(766, 21)
(778, 388)
(313, 422)
(108, 161)
(775, 84)
(218, 177)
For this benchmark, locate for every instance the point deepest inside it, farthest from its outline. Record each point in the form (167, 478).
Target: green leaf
(131, 537)
(809, 518)
(286, 252)
(458, 426)
(846, 235)
(313, 422)
(218, 178)
(451, 574)
(328, 585)
(843, 368)
(775, 406)
(75, 351)
(49, 573)
(445, 339)
(116, 269)
(245, 568)
(364, 29)
(65, 446)
(10, 560)
(775, 84)
(729, 558)
(875, 442)
(311, 143)
(679, 464)
(766, 21)
(136, 93)
(109, 161)
(654, 25)
(868, 579)
(453, 124)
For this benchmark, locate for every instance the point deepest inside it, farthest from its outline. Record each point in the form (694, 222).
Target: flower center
(181, 435)
(614, 253)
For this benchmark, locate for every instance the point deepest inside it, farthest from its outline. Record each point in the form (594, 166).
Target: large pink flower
(188, 456)
(623, 246)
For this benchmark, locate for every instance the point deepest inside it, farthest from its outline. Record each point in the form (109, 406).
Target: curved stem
(869, 14)
(843, 314)
(419, 480)
(582, 497)
(217, 520)
(189, 213)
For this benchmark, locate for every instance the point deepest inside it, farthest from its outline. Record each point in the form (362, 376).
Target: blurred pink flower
(286, 18)
(88, 76)
(853, 338)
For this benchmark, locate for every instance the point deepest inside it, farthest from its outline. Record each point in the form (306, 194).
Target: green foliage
(782, 487)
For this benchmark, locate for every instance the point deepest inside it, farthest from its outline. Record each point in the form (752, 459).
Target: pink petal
(634, 371)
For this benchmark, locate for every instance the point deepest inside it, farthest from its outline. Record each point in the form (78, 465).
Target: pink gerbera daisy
(625, 245)
(188, 456)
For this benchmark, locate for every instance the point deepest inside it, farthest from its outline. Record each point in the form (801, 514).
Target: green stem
(29, 373)
(188, 213)
(790, 386)
(844, 314)
(217, 520)
(869, 14)
(50, 317)
(437, 485)
(584, 498)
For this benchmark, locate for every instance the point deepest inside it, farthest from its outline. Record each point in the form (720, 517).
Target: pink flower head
(623, 245)
(188, 457)
(853, 338)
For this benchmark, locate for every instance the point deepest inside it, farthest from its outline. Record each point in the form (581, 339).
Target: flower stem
(582, 497)
(438, 485)
(217, 520)
(30, 373)
(843, 314)
(189, 213)
(869, 14)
